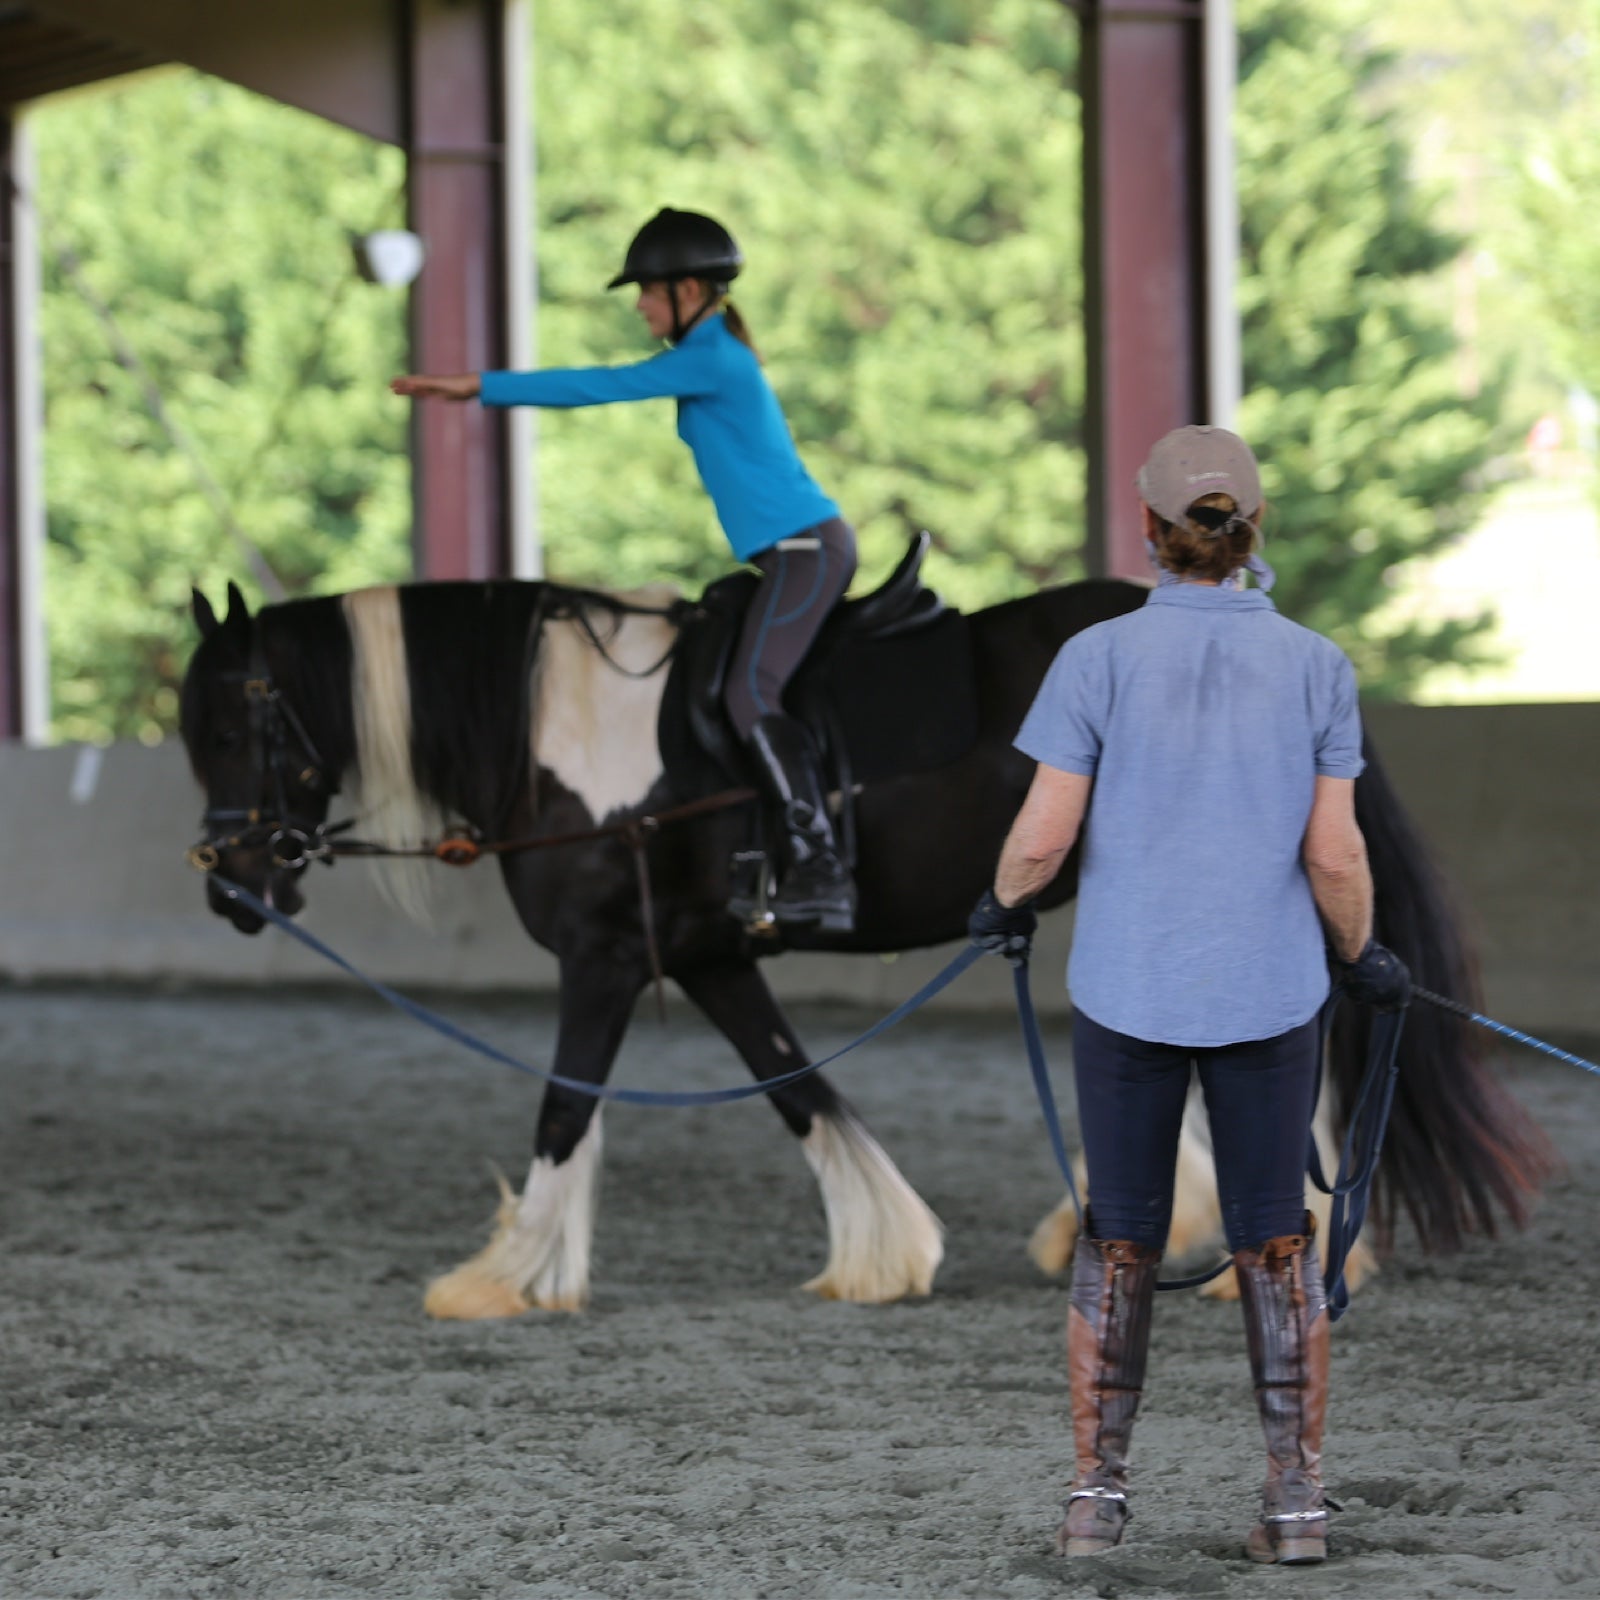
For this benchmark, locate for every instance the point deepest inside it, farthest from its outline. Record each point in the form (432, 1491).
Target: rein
(462, 849)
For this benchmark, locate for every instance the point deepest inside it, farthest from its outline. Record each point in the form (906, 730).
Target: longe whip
(1455, 1006)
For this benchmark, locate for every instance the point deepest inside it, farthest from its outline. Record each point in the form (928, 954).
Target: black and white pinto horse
(483, 704)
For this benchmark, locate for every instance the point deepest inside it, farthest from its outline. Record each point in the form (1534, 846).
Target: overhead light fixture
(392, 256)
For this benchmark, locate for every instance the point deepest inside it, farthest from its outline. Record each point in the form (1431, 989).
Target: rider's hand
(422, 386)
(1005, 930)
(1377, 977)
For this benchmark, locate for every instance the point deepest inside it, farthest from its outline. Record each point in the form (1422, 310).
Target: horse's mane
(426, 700)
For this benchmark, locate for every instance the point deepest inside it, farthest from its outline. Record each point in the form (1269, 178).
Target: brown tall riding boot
(1286, 1323)
(1108, 1338)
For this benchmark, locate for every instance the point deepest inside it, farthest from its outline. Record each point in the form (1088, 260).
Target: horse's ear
(204, 617)
(238, 611)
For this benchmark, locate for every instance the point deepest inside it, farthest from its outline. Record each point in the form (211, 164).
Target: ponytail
(717, 300)
(1213, 541)
(737, 327)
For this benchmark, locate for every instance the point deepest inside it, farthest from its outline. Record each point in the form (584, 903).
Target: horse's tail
(1460, 1149)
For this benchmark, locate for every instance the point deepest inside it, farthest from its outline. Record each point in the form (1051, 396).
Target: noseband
(293, 841)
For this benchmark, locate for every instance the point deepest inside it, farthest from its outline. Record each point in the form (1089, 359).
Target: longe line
(595, 1091)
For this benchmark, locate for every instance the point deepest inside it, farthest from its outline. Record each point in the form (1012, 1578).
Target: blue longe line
(1369, 1119)
(1351, 1189)
(597, 1091)
(1052, 1119)
(1041, 1082)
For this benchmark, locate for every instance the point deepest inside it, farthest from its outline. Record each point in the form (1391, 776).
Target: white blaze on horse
(526, 712)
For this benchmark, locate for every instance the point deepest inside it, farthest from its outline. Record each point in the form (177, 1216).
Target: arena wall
(93, 886)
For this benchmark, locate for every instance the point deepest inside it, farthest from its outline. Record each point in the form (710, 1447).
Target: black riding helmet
(680, 244)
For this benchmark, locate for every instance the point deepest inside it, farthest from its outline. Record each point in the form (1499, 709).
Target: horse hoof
(467, 1296)
(833, 1286)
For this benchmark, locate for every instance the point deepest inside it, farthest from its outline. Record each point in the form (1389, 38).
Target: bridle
(292, 839)
(295, 840)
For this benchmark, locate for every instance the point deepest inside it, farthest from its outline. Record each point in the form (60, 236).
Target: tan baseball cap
(1189, 463)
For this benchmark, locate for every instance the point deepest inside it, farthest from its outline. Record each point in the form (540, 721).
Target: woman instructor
(1207, 750)
(769, 506)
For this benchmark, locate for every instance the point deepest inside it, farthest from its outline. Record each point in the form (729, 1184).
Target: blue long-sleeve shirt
(727, 415)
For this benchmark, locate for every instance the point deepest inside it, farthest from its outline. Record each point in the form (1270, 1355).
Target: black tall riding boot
(1108, 1340)
(1286, 1323)
(814, 884)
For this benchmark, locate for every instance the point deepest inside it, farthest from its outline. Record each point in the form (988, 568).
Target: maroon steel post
(1144, 243)
(11, 532)
(455, 147)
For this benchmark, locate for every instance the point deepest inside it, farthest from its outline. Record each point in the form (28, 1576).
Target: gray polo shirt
(1204, 719)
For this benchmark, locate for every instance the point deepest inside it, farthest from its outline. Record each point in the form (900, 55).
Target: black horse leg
(597, 1000)
(884, 1243)
(539, 1255)
(736, 1000)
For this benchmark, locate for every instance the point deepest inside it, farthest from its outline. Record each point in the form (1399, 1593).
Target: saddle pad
(879, 706)
(897, 704)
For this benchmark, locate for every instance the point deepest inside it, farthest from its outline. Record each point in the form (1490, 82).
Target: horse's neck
(597, 698)
(465, 686)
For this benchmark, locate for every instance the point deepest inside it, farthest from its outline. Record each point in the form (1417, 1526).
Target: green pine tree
(1555, 245)
(1371, 455)
(904, 181)
(904, 178)
(211, 225)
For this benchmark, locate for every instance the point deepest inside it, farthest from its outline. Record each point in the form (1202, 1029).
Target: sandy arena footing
(219, 1214)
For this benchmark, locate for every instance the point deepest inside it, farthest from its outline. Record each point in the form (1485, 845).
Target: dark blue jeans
(1260, 1096)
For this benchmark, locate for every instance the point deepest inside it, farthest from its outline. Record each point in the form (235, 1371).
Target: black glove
(1004, 930)
(1377, 978)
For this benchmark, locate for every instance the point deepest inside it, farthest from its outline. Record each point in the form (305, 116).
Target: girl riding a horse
(773, 512)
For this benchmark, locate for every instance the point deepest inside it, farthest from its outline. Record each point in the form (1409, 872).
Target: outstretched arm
(673, 373)
(676, 373)
(1046, 829)
(422, 386)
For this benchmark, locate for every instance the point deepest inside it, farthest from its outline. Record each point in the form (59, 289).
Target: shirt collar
(706, 328)
(1203, 597)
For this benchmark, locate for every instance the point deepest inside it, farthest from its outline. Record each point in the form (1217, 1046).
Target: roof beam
(319, 55)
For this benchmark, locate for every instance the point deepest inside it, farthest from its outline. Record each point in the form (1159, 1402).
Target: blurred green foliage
(212, 226)
(904, 177)
(1371, 456)
(1552, 188)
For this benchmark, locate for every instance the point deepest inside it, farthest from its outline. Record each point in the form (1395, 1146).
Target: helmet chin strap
(680, 328)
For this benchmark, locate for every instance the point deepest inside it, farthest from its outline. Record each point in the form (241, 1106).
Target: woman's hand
(420, 386)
